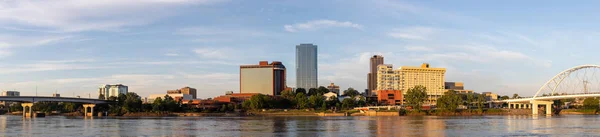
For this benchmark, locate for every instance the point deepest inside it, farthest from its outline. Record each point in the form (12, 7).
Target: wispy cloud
(320, 24)
(76, 15)
(418, 48)
(52, 66)
(172, 54)
(215, 53)
(412, 33)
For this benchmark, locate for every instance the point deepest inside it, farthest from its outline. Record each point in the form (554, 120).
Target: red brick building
(236, 98)
(389, 97)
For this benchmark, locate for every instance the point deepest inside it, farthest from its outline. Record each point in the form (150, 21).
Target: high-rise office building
(112, 90)
(264, 78)
(375, 61)
(306, 66)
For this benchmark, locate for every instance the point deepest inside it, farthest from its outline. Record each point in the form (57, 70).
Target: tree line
(300, 99)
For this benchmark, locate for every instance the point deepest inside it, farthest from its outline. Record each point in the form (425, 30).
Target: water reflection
(573, 125)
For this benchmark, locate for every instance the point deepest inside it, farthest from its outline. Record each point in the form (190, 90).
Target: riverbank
(295, 112)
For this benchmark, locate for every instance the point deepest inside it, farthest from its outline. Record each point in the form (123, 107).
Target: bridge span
(27, 102)
(575, 82)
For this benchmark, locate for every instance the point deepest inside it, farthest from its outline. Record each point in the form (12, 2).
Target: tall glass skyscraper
(306, 66)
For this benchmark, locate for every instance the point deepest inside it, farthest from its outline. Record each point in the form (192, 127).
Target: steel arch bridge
(576, 82)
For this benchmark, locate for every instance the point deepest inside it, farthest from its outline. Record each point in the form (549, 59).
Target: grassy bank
(579, 111)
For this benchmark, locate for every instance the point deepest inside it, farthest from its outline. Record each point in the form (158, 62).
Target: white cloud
(83, 15)
(320, 24)
(81, 64)
(413, 33)
(214, 53)
(209, 84)
(418, 48)
(4, 53)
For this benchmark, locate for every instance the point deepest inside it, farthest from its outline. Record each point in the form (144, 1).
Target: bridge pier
(535, 106)
(27, 109)
(85, 110)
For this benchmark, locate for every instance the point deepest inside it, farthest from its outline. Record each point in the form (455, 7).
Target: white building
(11, 93)
(329, 95)
(112, 90)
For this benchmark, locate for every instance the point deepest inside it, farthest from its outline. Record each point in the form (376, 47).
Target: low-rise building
(389, 97)
(176, 97)
(330, 94)
(459, 87)
(9, 93)
(489, 96)
(334, 88)
(184, 90)
(236, 98)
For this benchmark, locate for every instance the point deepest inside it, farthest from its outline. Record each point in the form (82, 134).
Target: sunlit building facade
(264, 78)
(407, 77)
(107, 90)
(431, 78)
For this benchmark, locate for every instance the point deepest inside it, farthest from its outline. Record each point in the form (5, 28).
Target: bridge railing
(561, 94)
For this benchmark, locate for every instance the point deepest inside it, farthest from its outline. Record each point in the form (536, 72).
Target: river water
(567, 125)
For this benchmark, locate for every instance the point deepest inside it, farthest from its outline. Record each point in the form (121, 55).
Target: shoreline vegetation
(295, 112)
(298, 103)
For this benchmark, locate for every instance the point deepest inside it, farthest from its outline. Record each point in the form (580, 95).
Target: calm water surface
(571, 125)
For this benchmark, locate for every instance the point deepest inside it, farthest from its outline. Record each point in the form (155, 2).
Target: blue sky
(71, 47)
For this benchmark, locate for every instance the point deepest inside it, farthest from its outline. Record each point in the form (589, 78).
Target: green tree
(259, 101)
(312, 91)
(157, 105)
(480, 102)
(223, 108)
(315, 101)
(288, 94)
(301, 101)
(362, 101)
(351, 92)
(301, 90)
(322, 90)
(470, 99)
(14, 107)
(101, 97)
(449, 101)
(69, 107)
(591, 103)
(169, 104)
(504, 98)
(416, 96)
(348, 103)
(230, 107)
(132, 102)
(515, 96)
(332, 101)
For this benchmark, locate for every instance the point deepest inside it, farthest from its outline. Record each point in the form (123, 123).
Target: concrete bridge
(578, 87)
(28, 101)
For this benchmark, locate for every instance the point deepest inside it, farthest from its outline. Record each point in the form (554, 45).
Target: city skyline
(73, 48)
